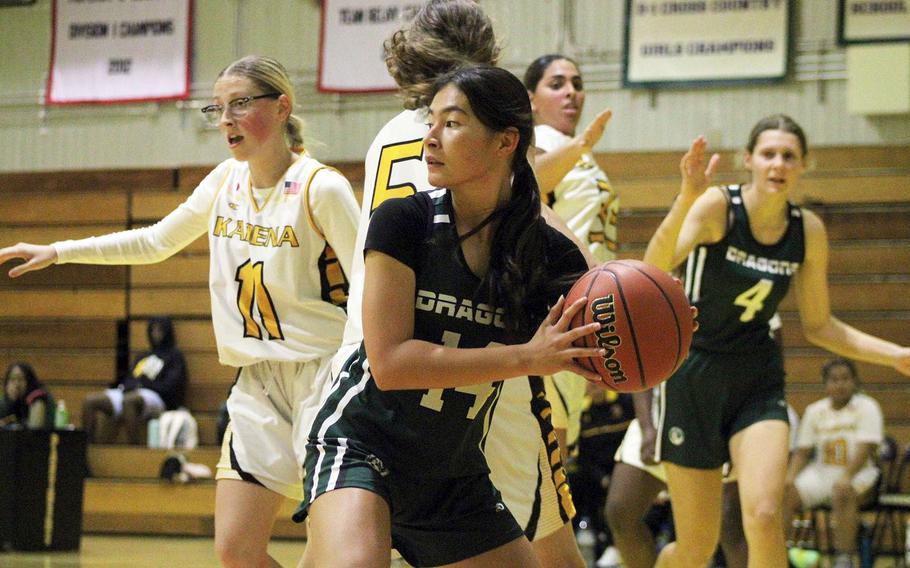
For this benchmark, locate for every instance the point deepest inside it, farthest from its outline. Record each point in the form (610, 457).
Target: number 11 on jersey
(252, 294)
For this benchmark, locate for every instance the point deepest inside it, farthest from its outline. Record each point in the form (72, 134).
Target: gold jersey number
(383, 189)
(251, 295)
(835, 452)
(753, 299)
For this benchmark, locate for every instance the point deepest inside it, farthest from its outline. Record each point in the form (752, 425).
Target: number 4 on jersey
(753, 299)
(253, 294)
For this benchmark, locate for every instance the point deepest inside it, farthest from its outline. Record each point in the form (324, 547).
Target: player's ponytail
(294, 133)
(516, 279)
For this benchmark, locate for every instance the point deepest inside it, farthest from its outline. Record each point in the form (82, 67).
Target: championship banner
(873, 21)
(351, 57)
(687, 42)
(119, 51)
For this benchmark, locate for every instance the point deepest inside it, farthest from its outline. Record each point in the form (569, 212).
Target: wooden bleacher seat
(125, 495)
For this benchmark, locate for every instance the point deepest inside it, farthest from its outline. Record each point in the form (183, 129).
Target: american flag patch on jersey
(292, 187)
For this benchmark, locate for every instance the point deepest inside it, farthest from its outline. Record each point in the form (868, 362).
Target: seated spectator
(844, 430)
(156, 382)
(25, 401)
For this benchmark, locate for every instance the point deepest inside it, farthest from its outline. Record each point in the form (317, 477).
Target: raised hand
(36, 257)
(696, 176)
(595, 130)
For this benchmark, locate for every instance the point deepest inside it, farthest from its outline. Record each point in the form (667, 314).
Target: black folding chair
(891, 509)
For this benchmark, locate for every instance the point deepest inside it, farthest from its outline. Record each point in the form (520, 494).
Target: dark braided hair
(517, 279)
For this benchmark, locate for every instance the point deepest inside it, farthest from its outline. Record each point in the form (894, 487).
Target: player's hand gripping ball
(646, 320)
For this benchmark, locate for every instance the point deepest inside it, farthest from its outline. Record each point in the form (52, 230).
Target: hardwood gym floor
(141, 552)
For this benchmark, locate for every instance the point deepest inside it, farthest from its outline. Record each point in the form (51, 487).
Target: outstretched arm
(36, 257)
(819, 325)
(145, 245)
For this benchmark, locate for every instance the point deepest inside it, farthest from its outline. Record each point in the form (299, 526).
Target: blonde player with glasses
(281, 230)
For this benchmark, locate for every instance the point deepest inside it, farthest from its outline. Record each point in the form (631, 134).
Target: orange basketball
(647, 323)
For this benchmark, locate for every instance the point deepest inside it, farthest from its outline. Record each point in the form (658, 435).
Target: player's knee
(764, 518)
(235, 551)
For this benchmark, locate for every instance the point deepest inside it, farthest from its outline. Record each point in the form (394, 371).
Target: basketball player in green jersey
(744, 245)
(457, 283)
(519, 447)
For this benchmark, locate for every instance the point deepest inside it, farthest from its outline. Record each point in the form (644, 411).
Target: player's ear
(508, 140)
(747, 159)
(284, 106)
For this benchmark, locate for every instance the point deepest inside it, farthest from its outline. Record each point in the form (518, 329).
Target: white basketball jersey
(835, 433)
(277, 286)
(584, 198)
(394, 167)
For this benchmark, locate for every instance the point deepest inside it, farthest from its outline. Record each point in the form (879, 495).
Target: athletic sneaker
(803, 558)
(610, 558)
(843, 561)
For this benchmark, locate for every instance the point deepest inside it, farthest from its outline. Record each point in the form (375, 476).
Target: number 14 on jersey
(433, 397)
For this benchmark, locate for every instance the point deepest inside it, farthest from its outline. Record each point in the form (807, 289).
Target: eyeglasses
(236, 108)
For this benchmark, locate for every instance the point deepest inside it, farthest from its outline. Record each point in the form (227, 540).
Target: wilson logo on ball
(646, 324)
(604, 313)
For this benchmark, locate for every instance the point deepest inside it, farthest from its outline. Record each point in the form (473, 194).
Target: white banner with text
(119, 51)
(351, 55)
(690, 41)
(868, 21)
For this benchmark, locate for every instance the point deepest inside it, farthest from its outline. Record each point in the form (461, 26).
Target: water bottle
(61, 416)
(586, 537)
(154, 429)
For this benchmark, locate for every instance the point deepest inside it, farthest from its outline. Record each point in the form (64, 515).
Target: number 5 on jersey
(388, 157)
(251, 295)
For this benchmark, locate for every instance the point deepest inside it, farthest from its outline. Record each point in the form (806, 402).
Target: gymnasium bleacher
(64, 320)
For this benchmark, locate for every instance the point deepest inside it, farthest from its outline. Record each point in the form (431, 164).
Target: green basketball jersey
(434, 433)
(737, 283)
